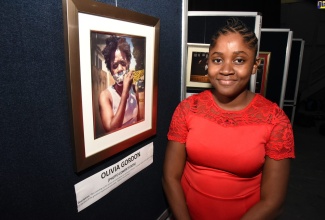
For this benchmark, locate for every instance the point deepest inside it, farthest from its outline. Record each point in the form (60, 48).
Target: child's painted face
(119, 66)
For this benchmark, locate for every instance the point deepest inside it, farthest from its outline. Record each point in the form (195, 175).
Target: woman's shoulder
(190, 103)
(269, 108)
(264, 103)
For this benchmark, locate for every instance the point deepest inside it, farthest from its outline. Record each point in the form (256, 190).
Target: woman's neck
(118, 89)
(235, 103)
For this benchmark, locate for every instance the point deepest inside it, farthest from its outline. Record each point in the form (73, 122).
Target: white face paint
(119, 66)
(119, 77)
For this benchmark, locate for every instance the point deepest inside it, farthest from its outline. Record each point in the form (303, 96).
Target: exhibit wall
(279, 65)
(294, 72)
(37, 156)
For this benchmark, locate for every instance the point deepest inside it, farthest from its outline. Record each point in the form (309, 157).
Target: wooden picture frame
(262, 73)
(196, 67)
(84, 20)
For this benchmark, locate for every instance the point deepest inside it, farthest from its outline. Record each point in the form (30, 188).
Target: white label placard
(100, 184)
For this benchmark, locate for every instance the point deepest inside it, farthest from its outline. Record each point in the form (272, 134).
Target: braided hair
(112, 44)
(234, 25)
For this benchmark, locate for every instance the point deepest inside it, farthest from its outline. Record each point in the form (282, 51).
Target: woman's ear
(256, 64)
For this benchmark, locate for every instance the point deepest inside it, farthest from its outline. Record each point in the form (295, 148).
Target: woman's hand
(127, 82)
(274, 185)
(175, 159)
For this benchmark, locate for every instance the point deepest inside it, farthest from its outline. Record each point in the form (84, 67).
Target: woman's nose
(119, 67)
(227, 69)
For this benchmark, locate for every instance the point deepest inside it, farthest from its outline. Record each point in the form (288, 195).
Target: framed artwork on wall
(262, 72)
(197, 67)
(111, 65)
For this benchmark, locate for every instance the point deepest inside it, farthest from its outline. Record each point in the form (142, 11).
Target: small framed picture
(197, 66)
(262, 72)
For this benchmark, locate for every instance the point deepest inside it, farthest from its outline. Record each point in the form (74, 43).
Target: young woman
(228, 154)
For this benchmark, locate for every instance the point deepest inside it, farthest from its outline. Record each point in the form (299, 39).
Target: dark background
(270, 10)
(202, 28)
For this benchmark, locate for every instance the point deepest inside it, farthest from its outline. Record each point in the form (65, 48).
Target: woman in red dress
(228, 154)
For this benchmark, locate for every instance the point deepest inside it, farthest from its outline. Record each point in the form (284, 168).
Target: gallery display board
(291, 94)
(277, 42)
(37, 170)
(200, 26)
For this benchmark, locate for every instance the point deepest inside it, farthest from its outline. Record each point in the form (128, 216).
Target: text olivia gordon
(117, 167)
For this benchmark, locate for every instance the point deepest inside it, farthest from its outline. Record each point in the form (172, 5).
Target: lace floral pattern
(259, 112)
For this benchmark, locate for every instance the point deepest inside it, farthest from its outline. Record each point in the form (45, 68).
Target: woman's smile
(226, 82)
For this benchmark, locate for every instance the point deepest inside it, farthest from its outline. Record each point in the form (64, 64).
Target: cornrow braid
(234, 25)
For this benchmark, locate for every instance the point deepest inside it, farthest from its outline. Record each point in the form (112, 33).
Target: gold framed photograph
(197, 68)
(262, 73)
(111, 68)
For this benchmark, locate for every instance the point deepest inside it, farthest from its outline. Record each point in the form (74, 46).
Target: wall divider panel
(291, 94)
(278, 42)
(37, 158)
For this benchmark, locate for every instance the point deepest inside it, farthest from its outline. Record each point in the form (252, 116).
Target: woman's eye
(217, 60)
(239, 61)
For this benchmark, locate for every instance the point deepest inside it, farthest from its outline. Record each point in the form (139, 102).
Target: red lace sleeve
(178, 127)
(281, 142)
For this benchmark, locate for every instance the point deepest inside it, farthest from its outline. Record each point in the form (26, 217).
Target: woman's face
(230, 65)
(119, 66)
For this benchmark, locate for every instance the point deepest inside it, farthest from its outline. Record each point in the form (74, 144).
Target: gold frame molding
(72, 10)
(192, 78)
(263, 72)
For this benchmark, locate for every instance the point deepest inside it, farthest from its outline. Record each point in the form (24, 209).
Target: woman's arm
(174, 163)
(106, 109)
(274, 184)
(109, 120)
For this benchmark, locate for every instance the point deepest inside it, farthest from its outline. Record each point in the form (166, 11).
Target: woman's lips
(226, 82)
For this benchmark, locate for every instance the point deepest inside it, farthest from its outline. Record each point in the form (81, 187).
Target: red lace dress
(226, 151)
